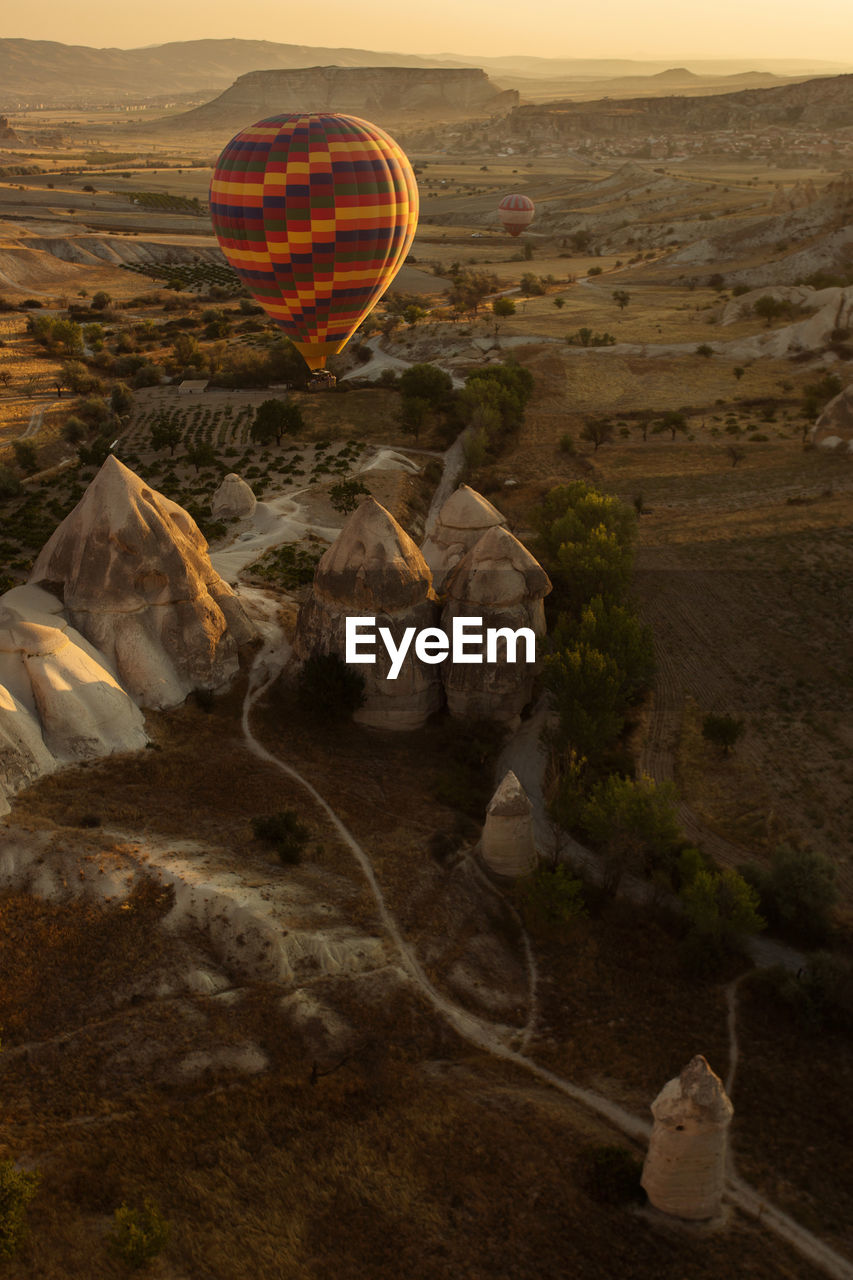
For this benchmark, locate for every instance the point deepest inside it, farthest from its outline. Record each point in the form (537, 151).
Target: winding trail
(496, 1039)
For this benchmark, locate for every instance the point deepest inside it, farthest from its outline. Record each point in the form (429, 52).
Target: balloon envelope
(316, 214)
(516, 213)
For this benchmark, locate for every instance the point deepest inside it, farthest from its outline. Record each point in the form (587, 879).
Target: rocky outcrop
(373, 569)
(382, 94)
(8, 137)
(132, 570)
(834, 428)
(233, 498)
(508, 847)
(462, 521)
(685, 1167)
(499, 581)
(58, 703)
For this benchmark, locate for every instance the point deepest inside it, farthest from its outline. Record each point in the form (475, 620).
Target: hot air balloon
(516, 213)
(316, 214)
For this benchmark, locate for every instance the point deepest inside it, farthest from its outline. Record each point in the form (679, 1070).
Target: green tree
(722, 731)
(818, 394)
(275, 418)
(346, 495)
(722, 910)
(101, 300)
(552, 896)
(613, 629)
(503, 307)
(122, 399)
(671, 422)
(559, 303)
(201, 455)
(427, 382)
(597, 431)
(635, 824)
(584, 685)
(166, 433)
(25, 456)
(738, 372)
(798, 893)
(621, 297)
(413, 414)
(284, 832)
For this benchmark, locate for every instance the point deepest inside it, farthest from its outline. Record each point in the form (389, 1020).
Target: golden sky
(675, 30)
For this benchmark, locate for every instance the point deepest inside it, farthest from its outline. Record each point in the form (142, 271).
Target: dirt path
(495, 1039)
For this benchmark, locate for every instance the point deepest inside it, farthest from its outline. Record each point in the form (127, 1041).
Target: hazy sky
(658, 29)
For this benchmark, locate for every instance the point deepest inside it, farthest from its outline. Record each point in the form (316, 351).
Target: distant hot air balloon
(516, 213)
(316, 214)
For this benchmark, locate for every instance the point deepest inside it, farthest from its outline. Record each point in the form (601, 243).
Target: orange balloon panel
(316, 214)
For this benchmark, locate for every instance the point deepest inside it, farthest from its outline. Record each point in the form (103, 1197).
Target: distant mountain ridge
(50, 72)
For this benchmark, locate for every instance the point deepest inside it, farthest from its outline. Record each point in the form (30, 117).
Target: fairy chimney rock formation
(685, 1168)
(132, 569)
(233, 498)
(499, 581)
(373, 569)
(508, 847)
(462, 521)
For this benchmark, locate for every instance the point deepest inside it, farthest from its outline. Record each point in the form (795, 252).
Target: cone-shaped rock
(233, 498)
(373, 569)
(82, 710)
(685, 1169)
(133, 571)
(499, 581)
(462, 521)
(508, 847)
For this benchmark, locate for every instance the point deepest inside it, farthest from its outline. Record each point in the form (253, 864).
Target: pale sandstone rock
(508, 847)
(133, 572)
(81, 709)
(499, 581)
(462, 521)
(685, 1169)
(23, 754)
(234, 497)
(374, 569)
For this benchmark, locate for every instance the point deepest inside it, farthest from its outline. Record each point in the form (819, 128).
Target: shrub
(17, 1189)
(721, 910)
(284, 832)
(722, 731)
(328, 688)
(553, 896)
(25, 456)
(346, 495)
(634, 823)
(138, 1235)
(611, 1175)
(798, 892)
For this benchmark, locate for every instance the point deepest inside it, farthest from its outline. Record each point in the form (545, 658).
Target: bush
(635, 824)
(17, 1189)
(284, 832)
(798, 892)
(611, 1175)
(552, 896)
(721, 910)
(138, 1235)
(722, 731)
(328, 688)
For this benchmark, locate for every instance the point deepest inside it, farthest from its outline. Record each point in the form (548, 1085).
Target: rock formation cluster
(685, 1167)
(58, 702)
(499, 581)
(508, 846)
(132, 570)
(834, 428)
(462, 521)
(374, 569)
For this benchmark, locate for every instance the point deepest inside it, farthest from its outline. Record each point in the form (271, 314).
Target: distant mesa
(685, 1168)
(385, 95)
(508, 847)
(501, 582)
(233, 499)
(132, 570)
(375, 569)
(462, 521)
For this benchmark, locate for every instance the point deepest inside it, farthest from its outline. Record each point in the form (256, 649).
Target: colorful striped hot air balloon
(516, 213)
(316, 214)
